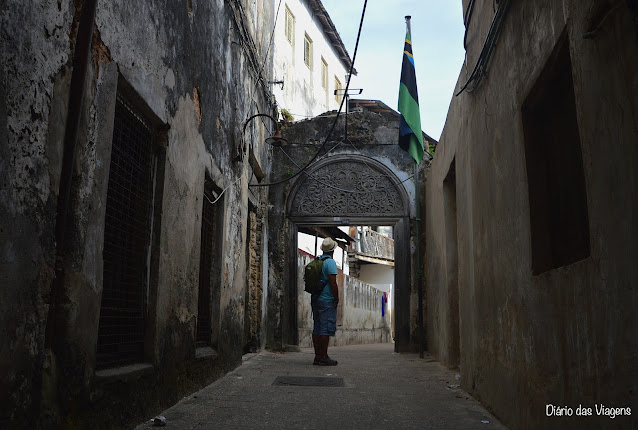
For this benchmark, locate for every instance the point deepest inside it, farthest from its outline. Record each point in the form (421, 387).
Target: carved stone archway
(351, 189)
(350, 186)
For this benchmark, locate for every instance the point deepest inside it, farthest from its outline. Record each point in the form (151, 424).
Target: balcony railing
(373, 244)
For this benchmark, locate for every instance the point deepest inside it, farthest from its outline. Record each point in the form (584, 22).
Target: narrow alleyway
(375, 389)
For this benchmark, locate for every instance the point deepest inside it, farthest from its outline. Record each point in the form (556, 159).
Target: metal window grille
(206, 272)
(126, 239)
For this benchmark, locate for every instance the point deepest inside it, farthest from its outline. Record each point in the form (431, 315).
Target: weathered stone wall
(566, 336)
(33, 69)
(190, 69)
(253, 335)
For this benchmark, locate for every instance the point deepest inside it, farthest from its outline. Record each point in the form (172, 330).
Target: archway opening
(366, 278)
(353, 190)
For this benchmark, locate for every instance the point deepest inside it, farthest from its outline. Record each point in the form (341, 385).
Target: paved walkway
(379, 390)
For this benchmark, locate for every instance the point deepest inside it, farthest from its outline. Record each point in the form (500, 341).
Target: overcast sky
(437, 45)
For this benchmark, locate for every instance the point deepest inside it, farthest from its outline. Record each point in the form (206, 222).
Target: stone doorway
(346, 189)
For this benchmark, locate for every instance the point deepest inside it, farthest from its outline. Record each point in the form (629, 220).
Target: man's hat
(328, 245)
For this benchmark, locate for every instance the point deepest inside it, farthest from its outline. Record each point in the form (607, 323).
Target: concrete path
(379, 390)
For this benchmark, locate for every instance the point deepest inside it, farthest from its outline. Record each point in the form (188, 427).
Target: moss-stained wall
(190, 67)
(564, 336)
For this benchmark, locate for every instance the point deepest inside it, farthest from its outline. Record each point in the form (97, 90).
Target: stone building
(532, 282)
(151, 283)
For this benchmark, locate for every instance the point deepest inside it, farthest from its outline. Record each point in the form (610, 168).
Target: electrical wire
(486, 51)
(301, 170)
(467, 18)
(259, 71)
(488, 46)
(222, 193)
(248, 43)
(272, 34)
(263, 63)
(259, 79)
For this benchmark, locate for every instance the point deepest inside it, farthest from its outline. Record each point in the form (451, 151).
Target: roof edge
(330, 30)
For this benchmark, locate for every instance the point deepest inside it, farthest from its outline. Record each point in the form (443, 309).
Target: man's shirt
(329, 268)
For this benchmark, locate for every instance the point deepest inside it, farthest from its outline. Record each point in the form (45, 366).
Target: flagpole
(419, 263)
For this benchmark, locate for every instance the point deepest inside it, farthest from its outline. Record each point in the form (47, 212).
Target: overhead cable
(467, 18)
(239, 17)
(490, 42)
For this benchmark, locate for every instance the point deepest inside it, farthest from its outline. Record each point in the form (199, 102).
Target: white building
(309, 58)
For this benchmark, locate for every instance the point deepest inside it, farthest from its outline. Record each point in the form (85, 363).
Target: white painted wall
(380, 277)
(302, 94)
(376, 274)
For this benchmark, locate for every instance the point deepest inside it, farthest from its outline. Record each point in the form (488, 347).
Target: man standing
(324, 306)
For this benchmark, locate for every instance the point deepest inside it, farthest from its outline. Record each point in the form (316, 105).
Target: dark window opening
(126, 240)
(207, 263)
(557, 195)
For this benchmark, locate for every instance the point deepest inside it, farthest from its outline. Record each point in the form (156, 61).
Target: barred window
(126, 241)
(208, 298)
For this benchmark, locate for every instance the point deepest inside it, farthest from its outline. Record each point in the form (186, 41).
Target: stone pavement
(371, 388)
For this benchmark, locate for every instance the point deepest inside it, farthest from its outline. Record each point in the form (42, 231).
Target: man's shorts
(325, 317)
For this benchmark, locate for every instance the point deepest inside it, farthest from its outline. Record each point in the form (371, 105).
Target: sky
(437, 46)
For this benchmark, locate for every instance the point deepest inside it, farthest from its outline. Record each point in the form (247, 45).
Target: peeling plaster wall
(567, 336)
(29, 65)
(183, 62)
(254, 338)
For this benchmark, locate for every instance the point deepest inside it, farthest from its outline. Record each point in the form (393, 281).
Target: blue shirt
(329, 268)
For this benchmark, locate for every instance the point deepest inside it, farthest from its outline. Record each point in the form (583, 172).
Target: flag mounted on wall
(410, 135)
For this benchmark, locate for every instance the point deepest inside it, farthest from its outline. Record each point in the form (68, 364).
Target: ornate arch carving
(348, 186)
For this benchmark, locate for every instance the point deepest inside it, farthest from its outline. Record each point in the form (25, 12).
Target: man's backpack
(312, 276)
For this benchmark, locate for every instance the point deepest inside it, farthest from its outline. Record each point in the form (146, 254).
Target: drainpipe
(419, 259)
(81, 59)
(419, 262)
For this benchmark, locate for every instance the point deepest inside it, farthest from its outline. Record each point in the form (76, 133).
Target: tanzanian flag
(410, 135)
